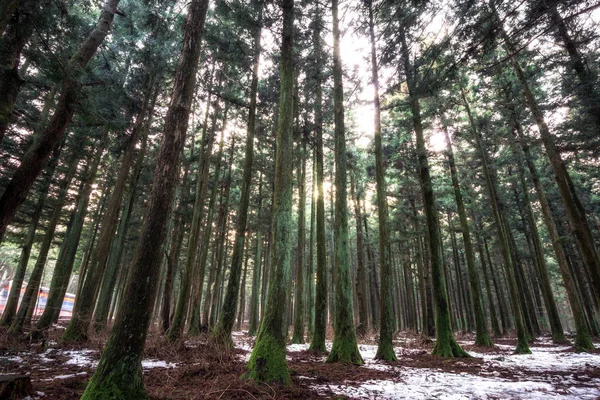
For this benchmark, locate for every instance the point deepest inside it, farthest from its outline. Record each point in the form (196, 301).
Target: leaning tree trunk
(34, 159)
(575, 210)
(344, 348)
(68, 249)
(119, 373)
(446, 345)
(267, 362)
(77, 330)
(582, 336)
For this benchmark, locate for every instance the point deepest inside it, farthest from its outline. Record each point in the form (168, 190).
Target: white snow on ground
(543, 359)
(149, 364)
(422, 384)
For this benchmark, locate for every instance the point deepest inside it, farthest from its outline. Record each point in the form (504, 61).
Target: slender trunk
(582, 337)
(194, 322)
(317, 343)
(119, 373)
(298, 334)
(361, 278)
(482, 337)
(256, 286)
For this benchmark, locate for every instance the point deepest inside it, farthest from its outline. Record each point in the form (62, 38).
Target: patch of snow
(148, 364)
(421, 384)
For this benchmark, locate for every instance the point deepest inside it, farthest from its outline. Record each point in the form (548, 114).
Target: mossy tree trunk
(385, 348)
(446, 344)
(119, 373)
(267, 362)
(77, 330)
(223, 330)
(317, 343)
(345, 348)
(36, 156)
(482, 337)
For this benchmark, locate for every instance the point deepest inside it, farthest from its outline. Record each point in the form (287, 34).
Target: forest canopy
(319, 172)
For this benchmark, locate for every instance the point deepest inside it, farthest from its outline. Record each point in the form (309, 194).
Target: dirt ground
(191, 369)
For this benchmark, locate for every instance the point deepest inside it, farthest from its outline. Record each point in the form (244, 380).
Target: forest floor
(194, 370)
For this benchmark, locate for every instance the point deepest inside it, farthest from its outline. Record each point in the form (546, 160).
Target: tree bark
(119, 373)
(267, 362)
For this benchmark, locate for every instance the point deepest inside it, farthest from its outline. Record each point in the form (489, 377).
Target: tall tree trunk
(298, 334)
(446, 345)
(189, 274)
(582, 337)
(267, 362)
(34, 159)
(194, 322)
(227, 316)
(385, 347)
(119, 373)
(256, 276)
(317, 343)
(345, 348)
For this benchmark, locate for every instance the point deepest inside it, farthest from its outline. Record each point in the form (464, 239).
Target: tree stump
(13, 387)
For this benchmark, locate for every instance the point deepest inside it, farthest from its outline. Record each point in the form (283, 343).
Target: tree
(267, 362)
(119, 373)
(344, 347)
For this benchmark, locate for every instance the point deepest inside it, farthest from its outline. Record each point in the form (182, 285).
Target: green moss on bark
(267, 362)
